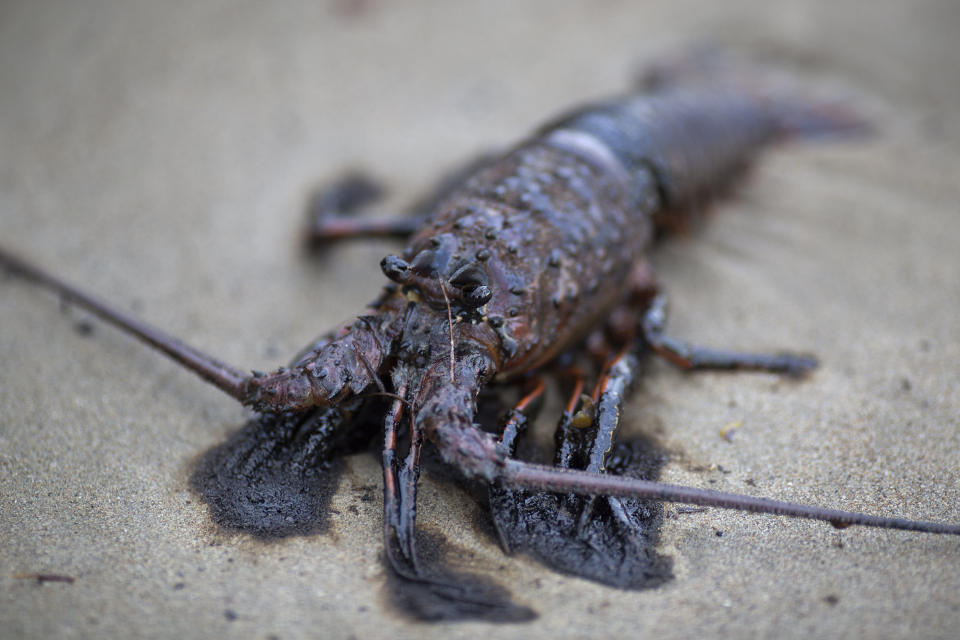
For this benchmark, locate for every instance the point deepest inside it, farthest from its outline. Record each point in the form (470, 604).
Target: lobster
(535, 257)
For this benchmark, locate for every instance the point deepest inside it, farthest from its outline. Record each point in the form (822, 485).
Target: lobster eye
(475, 296)
(433, 260)
(473, 282)
(469, 275)
(395, 268)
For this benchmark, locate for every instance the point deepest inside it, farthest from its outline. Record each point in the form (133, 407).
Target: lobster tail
(699, 122)
(790, 110)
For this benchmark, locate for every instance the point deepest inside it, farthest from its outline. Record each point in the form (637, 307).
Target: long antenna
(227, 378)
(532, 476)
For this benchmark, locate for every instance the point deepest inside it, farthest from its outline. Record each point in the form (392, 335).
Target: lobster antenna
(533, 476)
(225, 377)
(446, 299)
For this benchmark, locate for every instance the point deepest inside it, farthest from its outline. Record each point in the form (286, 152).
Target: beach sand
(161, 156)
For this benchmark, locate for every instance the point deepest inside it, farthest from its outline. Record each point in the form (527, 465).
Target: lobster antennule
(533, 476)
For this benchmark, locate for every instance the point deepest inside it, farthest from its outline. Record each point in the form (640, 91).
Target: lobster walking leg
(400, 495)
(330, 213)
(518, 419)
(692, 357)
(565, 436)
(609, 540)
(328, 229)
(611, 391)
(613, 387)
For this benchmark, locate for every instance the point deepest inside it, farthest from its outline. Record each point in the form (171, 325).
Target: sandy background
(161, 154)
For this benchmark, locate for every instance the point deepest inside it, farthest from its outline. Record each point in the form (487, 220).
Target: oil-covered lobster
(517, 266)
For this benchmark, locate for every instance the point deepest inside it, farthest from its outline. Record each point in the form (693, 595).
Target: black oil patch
(275, 476)
(442, 594)
(608, 540)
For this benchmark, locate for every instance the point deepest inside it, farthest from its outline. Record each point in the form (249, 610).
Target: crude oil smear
(611, 541)
(444, 594)
(274, 477)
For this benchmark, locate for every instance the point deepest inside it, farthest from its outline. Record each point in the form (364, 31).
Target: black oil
(275, 476)
(441, 593)
(611, 541)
